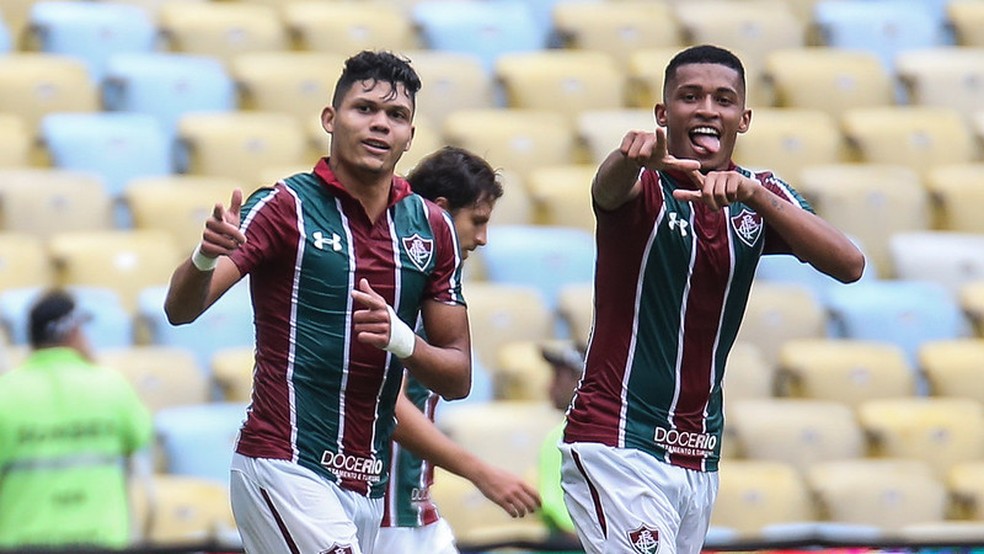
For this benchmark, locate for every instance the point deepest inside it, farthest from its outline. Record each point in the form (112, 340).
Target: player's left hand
(512, 494)
(718, 189)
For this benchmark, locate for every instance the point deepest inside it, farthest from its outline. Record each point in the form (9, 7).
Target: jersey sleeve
(774, 242)
(262, 218)
(444, 284)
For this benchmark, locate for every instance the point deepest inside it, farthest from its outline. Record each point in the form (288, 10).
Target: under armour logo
(320, 241)
(676, 222)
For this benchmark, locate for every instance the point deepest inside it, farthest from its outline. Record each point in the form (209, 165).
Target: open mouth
(376, 145)
(705, 140)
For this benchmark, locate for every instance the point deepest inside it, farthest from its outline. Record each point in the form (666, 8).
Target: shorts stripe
(594, 493)
(280, 523)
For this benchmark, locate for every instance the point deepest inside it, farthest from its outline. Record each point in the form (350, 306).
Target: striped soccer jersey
(408, 498)
(672, 281)
(321, 398)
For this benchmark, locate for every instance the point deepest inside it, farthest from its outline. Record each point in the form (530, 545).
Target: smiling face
(703, 112)
(370, 129)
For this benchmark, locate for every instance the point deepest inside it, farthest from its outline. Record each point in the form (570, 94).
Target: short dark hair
(456, 174)
(703, 53)
(376, 66)
(53, 315)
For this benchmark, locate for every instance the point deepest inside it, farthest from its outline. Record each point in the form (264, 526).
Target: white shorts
(436, 538)
(282, 507)
(625, 500)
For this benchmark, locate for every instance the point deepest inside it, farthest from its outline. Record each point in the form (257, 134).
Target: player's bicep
(446, 325)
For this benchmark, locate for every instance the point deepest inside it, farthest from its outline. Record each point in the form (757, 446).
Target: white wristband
(402, 338)
(201, 261)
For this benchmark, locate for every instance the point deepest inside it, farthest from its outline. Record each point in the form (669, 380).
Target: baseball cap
(564, 354)
(53, 315)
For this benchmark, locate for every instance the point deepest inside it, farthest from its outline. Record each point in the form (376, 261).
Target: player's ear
(443, 203)
(328, 119)
(660, 112)
(745, 122)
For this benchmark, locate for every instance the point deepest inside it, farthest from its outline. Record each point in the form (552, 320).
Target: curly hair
(377, 66)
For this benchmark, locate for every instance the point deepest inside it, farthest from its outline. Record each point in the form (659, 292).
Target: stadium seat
(346, 28)
(226, 323)
(91, 31)
(917, 137)
(943, 77)
(967, 19)
(752, 29)
(602, 131)
(178, 204)
(232, 373)
(514, 207)
(971, 299)
(296, 83)
(965, 481)
(162, 376)
(845, 371)
(513, 139)
(521, 373)
(486, 29)
(565, 81)
(43, 202)
(755, 493)
(886, 493)
(198, 440)
(955, 190)
(452, 81)
(787, 140)
(117, 146)
(789, 269)
(952, 366)
(111, 325)
(828, 79)
(778, 312)
(15, 141)
(167, 85)
(575, 307)
(540, 256)
(616, 28)
(34, 84)
(221, 30)
(905, 313)
(747, 375)
(239, 145)
(186, 510)
(126, 261)
(562, 195)
(23, 261)
(945, 257)
(935, 430)
(870, 202)
(885, 28)
(644, 77)
(499, 313)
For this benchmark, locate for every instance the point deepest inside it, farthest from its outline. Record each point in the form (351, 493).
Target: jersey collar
(398, 191)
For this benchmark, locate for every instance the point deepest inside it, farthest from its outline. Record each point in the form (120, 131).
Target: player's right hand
(222, 235)
(648, 149)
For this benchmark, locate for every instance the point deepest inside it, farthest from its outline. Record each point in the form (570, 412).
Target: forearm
(416, 433)
(445, 370)
(615, 180)
(192, 291)
(811, 238)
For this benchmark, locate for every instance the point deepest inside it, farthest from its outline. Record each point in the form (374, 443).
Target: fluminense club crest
(336, 549)
(419, 250)
(644, 540)
(747, 225)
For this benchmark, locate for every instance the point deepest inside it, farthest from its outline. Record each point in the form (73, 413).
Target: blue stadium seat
(906, 313)
(92, 31)
(545, 257)
(486, 28)
(118, 146)
(167, 86)
(227, 323)
(198, 439)
(5, 39)
(111, 326)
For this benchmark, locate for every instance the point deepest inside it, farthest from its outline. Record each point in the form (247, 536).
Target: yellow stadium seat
(971, 299)
(564, 81)
(240, 144)
(917, 137)
(42, 201)
(575, 306)
(185, 510)
(15, 141)
(178, 204)
(943, 77)
(887, 493)
(644, 76)
(754, 493)
(562, 195)
(348, 27)
(517, 140)
(24, 261)
(616, 28)
(521, 373)
(948, 258)
(515, 207)
(452, 81)
(126, 261)
(221, 29)
(828, 79)
(955, 190)
(869, 202)
(747, 375)
(786, 140)
(161, 376)
(967, 18)
(232, 373)
(935, 430)
(778, 312)
(501, 313)
(845, 370)
(951, 367)
(965, 481)
(602, 131)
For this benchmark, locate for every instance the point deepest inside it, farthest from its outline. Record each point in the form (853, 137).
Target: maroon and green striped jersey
(321, 398)
(672, 281)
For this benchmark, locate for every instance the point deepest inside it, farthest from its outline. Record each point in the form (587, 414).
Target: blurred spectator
(67, 431)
